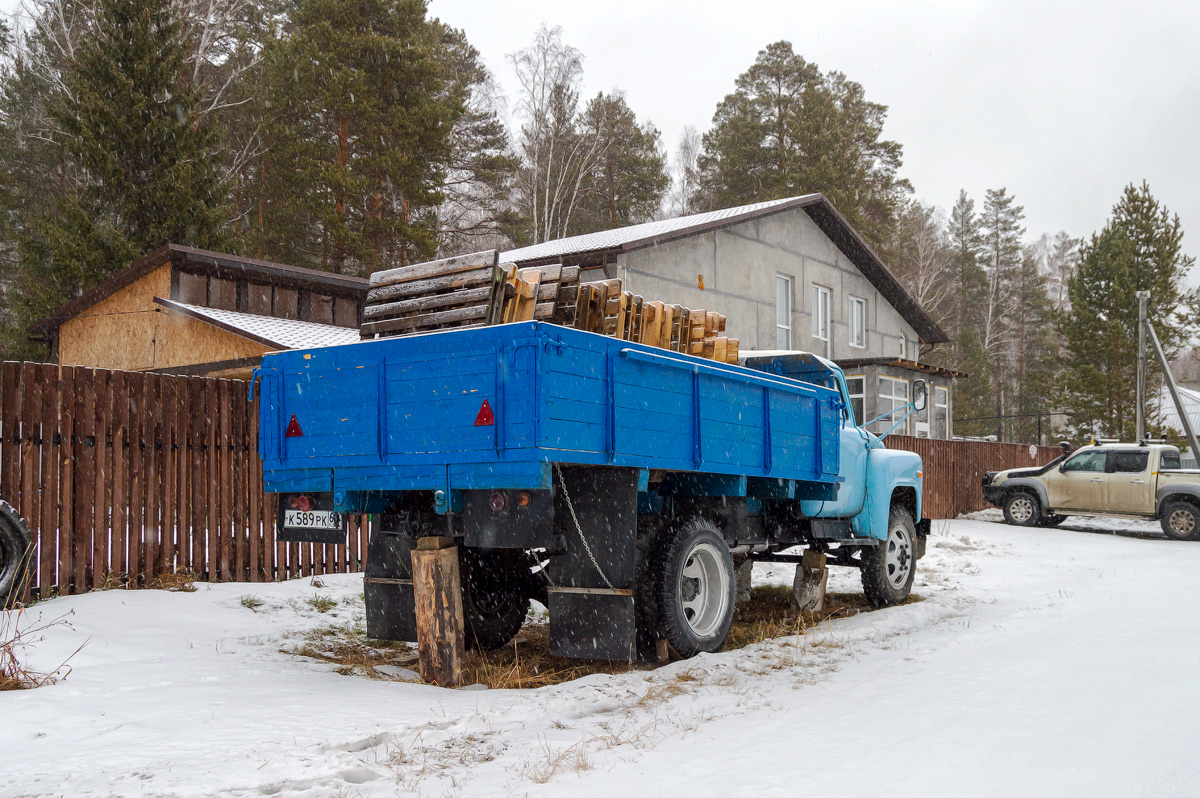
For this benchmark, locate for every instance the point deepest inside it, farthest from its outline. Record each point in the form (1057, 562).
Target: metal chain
(579, 529)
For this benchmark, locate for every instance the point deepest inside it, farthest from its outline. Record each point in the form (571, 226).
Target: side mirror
(920, 394)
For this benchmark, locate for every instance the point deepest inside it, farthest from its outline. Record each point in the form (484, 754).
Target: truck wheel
(1180, 520)
(16, 554)
(692, 583)
(494, 598)
(1021, 509)
(888, 568)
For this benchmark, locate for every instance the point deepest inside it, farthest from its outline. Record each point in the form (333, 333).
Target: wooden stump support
(436, 589)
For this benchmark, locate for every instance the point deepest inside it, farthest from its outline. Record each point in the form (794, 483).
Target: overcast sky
(1062, 103)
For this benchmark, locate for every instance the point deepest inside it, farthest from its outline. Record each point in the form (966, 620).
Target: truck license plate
(312, 519)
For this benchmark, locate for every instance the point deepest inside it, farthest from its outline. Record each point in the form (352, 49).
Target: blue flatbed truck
(619, 484)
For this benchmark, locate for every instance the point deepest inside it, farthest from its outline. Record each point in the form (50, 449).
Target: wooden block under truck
(619, 484)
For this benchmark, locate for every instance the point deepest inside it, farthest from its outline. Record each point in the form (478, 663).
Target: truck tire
(691, 579)
(1180, 520)
(16, 555)
(888, 568)
(1022, 508)
(495, 599)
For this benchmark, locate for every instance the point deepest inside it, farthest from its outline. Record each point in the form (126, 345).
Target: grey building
(788, 274)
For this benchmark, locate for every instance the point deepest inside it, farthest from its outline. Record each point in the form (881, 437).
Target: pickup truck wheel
(495, 599)
(1021, 508)
(15, 556)
(692, 579)
(1180, 520)
(888, 569)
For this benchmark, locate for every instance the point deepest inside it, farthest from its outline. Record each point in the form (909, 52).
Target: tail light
(301, 503)
(498, 501)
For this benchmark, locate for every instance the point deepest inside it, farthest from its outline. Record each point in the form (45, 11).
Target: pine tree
(1139, 249)
(1001, 227)
(628, 179)
(966, 241)
(789, 129)
(359, 118)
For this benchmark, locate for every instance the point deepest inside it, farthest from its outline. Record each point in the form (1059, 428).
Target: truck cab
(1125, 480)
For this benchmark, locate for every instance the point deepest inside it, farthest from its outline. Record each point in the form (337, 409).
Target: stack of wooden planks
(477, 290)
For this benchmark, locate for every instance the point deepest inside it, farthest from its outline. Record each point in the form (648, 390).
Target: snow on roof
(609, 239)
(268, 330)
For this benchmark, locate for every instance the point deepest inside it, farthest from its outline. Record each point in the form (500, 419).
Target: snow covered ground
(1041, 662)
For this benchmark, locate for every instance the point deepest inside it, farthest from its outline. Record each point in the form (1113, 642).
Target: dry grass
(176, 582)
(16, 638)
(321, 603)
(526, 662)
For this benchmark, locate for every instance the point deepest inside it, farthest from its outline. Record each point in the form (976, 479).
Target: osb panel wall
(128, 331)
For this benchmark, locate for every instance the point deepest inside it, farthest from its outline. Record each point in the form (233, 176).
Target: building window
(941, 413)
(893, 393)
(858, 322)
(783, 312)
(820, 317)
(855, 386)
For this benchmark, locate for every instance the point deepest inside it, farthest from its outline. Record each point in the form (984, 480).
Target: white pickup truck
(1124, 480)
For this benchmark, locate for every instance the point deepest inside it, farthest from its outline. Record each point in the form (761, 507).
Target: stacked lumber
(477, 290)
(467, 291)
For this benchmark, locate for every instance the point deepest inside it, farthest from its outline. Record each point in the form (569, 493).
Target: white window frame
(857, 322)
(859, 412)
(822, 300)
(783, 330)
(890, 401)
(944, 406)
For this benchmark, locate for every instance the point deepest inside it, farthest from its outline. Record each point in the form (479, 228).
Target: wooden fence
(954, 469)
(124, 477)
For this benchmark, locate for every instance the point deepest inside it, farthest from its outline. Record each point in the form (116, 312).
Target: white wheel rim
(1182, 522)
(703, 590)
(898, 559)
(1021, 510)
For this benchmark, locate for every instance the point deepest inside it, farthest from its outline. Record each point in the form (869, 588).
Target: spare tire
(16, 556)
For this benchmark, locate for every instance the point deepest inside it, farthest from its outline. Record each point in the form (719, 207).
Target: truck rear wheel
(888, 569)
(1022, 509)
(1180, 520)
(495, 597)
(692, 583)
(15, 556)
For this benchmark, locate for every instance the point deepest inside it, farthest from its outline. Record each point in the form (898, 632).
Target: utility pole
(1143, 298)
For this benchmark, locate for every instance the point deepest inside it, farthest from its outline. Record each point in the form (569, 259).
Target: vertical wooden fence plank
(259, 570)
(183, 420)
(212, 496)
(237, 424)
(29, 505)
(120, 475)
(85, 477)
(136, 502)
(168, 403)
(223, 496)
(65, 453)
(101, 569)
(48, 531)
(152, 482)
(10, 445)
(200, 552)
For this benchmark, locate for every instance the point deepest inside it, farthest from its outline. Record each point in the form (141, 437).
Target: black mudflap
(591, 585)
(388, 587)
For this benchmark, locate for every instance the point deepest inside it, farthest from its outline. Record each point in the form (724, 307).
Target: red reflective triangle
(293, 429)
(485, 417)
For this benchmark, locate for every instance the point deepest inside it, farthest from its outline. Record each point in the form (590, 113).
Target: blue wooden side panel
(400, 413)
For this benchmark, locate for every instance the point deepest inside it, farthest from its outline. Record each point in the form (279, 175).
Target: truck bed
(492, 407)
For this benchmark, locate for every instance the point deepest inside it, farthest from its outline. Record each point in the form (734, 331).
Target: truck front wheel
(692, 583)
(1180, 520)
(1021, 509)
(494, 597)
(888, 568)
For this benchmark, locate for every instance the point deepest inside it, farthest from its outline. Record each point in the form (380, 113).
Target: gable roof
(207, 261)
(268, 330)
(597, 247)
